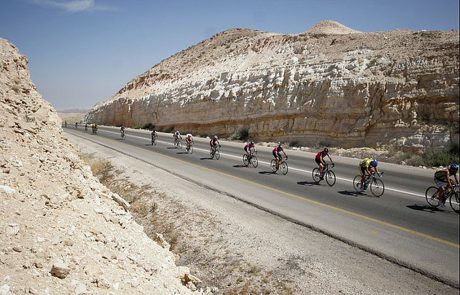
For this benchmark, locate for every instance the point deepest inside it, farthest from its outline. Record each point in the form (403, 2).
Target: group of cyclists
(367, 166)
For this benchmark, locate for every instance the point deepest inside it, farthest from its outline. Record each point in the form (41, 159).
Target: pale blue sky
(83, 51)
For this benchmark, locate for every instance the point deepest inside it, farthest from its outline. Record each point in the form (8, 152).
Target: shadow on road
(309, 183)
(181, 153)
(351, 193)
(267, 172)
(424, 208)
(240, 166)
(206, 158)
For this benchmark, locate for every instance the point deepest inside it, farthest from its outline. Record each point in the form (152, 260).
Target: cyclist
(189, 140)
(319, 159)
(367, 166)
(122, 131)
(214, 143)
(154, 135)
(443, 181)
(277, 154)
(177, 137)
(249, 148)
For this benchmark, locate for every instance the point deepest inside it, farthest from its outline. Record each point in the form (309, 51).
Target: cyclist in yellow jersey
(367, 166)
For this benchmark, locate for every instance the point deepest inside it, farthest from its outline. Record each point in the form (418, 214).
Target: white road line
(268, 164)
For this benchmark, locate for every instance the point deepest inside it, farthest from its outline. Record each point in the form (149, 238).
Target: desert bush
(148, 126)
(436, 156)
(241, 134)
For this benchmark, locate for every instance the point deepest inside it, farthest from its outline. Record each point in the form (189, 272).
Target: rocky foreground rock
(330, 85)
(61, 231)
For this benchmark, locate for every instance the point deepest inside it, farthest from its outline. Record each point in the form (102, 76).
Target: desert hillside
(61, 231)
(328, 85)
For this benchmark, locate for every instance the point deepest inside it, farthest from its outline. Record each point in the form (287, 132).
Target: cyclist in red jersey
(214, 142)
(249, 148)
(277, 153)
(319, 159)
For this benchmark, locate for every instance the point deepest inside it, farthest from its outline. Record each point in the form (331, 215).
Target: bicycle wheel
(284, 168)
(217, 154)
(273, 165)
(454, 200)
(316, 175)
(357, 183)
(377, 187)
(330, 177)
(254, 161)
(245, 160)
(430, 197)
(191, 149)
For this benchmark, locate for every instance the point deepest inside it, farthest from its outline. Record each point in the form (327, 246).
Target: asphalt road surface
(398, 226)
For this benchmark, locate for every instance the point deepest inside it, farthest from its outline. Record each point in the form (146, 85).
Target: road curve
(397, 226)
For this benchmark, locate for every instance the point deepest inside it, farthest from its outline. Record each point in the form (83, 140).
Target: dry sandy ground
(238, 249)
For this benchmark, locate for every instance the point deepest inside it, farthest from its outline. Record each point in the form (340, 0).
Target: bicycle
(376, 185)
(281, 165)
(452, 195)
(250, 158)
(327, 173)
(215, 152)
(189, 147)
(154, 139)
(122, 134)
(177, 143)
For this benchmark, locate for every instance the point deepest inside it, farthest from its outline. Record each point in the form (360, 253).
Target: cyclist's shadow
(240, 166)
(352, 193)
(424, 208)
(309, 183)
(206, 158)
(267, 172)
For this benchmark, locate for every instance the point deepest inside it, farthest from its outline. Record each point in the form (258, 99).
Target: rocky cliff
(329, 85)
(61, 231)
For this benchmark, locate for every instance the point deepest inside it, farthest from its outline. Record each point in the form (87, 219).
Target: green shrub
(241, 134)
(148, 126)
(434, 157)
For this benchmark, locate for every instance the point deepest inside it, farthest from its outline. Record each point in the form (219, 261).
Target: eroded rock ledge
(328, 85)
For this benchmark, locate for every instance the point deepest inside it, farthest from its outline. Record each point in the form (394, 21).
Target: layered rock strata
(61, 231)
(329, 85)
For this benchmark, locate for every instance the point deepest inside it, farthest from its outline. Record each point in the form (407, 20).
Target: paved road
(397, 226)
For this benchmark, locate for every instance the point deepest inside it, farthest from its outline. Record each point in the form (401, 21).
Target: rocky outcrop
(61, 232)
(330, 85)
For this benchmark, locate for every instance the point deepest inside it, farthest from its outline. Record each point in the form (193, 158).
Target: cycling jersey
(441, 175)
(320, 155)
(365, 163)
(278, 149)
(213, 142)
(248, 147)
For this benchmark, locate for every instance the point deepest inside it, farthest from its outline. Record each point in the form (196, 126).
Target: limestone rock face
(328, 85)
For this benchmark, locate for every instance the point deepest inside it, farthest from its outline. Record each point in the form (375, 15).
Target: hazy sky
(84, 51)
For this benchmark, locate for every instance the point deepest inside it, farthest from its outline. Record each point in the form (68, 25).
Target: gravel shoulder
(237, 249)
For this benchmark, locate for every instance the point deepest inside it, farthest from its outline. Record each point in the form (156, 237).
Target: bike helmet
(279, 144)
(453, 167)
(251, 142)
(326, 150)
(215, 136)
(374, 163)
